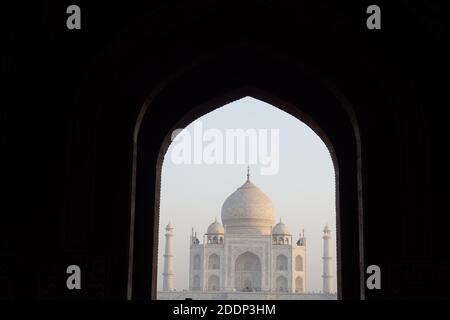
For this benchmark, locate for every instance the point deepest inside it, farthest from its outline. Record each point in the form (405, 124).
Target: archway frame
(249, 87)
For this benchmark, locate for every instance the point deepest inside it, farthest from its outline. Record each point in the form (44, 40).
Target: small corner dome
(215, 228)
(280, 228)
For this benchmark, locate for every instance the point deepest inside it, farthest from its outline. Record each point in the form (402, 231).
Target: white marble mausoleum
(247, 253)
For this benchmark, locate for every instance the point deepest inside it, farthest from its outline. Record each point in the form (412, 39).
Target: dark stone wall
(73, 98)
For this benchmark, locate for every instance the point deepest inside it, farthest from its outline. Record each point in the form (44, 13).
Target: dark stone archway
(81, 146)
(222, 79)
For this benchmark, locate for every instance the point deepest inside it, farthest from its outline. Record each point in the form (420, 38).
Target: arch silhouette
(122, 77)
(313, 102)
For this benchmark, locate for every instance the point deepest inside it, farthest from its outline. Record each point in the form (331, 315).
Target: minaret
(168, 260)
(327, 262)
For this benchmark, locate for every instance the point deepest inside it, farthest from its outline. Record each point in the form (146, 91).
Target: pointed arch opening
(341, 138)
(298, 263)
(213, 283)
(299, 284)
(282, 262)
(282, 284)
(247, 272)
(214, 262)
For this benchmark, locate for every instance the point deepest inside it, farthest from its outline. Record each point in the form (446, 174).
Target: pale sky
(302, 191)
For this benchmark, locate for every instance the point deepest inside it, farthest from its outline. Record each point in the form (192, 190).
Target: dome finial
(248, 173)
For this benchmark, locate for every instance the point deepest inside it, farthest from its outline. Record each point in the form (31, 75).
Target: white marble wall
(236, 244)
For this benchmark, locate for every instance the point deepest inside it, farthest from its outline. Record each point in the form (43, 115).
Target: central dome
(248, 211)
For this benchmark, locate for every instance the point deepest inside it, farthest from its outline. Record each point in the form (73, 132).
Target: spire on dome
(248, 173)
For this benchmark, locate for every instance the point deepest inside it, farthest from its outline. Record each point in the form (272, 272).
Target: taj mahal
(247, 256)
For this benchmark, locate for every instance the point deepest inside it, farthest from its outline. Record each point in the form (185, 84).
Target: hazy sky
(302, 191)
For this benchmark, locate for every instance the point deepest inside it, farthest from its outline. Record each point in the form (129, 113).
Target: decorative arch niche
(281, 262)
(213, 283)
(197, 262)
(281, 284)
(298, 284)
(298, 263)
(247, 272)
(214, 262)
